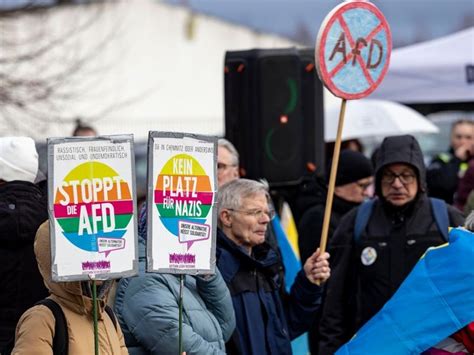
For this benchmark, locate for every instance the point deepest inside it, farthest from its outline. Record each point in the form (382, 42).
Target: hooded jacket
(22, 210)
(266, 320)
(147, 310)
(365, 275)
(35, 329)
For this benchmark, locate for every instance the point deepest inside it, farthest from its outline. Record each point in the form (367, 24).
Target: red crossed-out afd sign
(353, 49)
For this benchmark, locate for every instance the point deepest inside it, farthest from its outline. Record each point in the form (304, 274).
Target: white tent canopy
(441, 70)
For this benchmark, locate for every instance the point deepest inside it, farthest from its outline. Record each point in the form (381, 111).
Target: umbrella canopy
(369, 118)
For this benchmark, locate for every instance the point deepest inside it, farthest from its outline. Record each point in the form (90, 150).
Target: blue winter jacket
(267, 317)
(147, 310)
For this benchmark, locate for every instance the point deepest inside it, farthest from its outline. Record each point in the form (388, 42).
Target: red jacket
(465, 186)
(466, 336)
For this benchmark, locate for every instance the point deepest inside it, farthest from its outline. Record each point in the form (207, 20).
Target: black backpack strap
(111, 314)
(61, 336)
(441, 216)
(362, 218)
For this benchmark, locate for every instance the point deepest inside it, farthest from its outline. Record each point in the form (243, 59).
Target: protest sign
(181, 194)
(352, 56)
(92, 206)
(353, 49)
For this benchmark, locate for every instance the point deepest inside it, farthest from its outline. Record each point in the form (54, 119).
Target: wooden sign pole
(94, 316)
(332, 178)
(180, 315)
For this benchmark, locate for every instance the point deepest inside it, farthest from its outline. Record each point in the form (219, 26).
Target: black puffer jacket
(394, 238)
(22, 210)
(311, 223)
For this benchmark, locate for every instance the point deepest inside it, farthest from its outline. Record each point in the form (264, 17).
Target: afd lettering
(360, 43)
(106, 215)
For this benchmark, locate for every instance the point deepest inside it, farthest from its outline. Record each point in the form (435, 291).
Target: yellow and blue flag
(292, 266)
(435, 300)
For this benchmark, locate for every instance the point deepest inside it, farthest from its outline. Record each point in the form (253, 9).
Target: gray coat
(147, 310)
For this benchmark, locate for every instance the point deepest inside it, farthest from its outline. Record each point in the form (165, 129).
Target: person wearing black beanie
(353, 185)
(353, 182)
(353, 166)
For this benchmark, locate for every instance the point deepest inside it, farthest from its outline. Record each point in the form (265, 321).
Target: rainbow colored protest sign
(93, 206)
(182, 223)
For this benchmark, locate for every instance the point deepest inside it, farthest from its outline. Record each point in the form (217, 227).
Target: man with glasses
(447, 168)
(227, 171)
(266, 321)
(369, 267)
(227, 162)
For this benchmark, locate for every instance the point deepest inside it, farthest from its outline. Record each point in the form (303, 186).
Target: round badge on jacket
(368, 256)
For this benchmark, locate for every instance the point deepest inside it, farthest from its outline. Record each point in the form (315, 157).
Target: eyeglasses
(463, 136)
(256, 213)
(364, 186)
(405, 178)
(223, 166)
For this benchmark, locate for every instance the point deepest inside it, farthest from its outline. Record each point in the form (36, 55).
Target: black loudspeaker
(274, 113)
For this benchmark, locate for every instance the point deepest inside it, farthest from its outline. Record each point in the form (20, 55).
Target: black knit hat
(352, 167)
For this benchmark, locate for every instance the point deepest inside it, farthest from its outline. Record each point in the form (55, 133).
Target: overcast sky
(411, 20)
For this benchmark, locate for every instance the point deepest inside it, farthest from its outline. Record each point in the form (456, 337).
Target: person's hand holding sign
(317, 268)
(352, 56)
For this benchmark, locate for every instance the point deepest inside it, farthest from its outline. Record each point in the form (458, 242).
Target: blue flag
(435, 300)
(292, 267)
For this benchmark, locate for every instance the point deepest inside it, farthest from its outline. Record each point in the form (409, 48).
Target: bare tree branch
(41, 67)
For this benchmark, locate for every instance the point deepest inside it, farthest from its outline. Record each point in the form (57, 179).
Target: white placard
(92, 203)
(181, 197)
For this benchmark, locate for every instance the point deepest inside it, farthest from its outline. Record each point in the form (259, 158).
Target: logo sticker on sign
(183, 197)
(353, 49)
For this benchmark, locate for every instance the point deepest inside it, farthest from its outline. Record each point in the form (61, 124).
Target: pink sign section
(204, 197)
(119, 207)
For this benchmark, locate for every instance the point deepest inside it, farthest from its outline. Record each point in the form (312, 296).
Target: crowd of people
(386, 213)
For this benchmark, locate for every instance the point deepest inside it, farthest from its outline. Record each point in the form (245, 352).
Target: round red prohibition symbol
(353, 49)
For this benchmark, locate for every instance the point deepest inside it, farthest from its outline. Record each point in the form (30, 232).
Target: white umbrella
(369, 118)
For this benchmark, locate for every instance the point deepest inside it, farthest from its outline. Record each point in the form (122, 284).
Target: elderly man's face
(226, 169)
(399, 184)
(355, 191)
(248, 224)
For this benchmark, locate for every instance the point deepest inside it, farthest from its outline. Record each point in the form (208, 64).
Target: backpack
(61, 336)
(438, 208)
